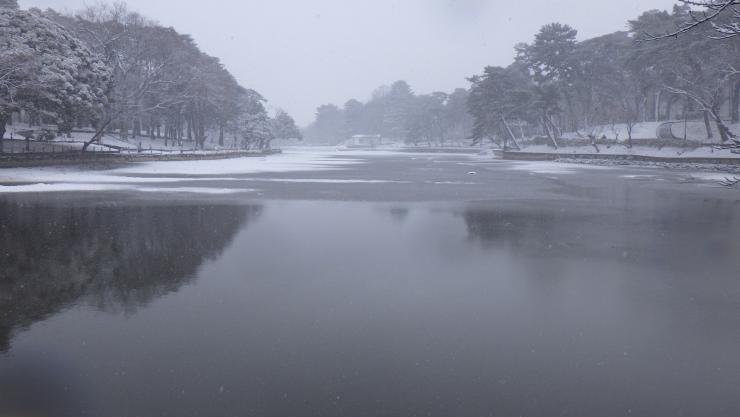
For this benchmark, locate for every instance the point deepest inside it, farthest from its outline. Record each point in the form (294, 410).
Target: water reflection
(117, 258)
(666, 231)
(337, 309)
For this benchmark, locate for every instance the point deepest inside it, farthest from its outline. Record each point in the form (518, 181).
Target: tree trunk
(724, 132)
(686, 119)
(3, 122)
(510, 133)
(658, 96)
(708, 125)
(735, 102)
(221, 135)
(98, 134)
(555, 135)
(669, 106)
(546, 128)
(124, 129)
(521, 129)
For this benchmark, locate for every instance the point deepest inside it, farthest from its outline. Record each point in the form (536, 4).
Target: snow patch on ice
(83, 187)
(638, 177)
(323, 181)
(75, 179)
(551, 168)
(452, 183)
(61, 187)
(195, 190)
(274, 163)
(713, 176)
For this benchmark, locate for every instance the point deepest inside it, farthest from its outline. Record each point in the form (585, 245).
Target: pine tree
(44, 69)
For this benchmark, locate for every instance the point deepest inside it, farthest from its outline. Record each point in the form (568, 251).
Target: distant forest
(677, 65)
(108, 69)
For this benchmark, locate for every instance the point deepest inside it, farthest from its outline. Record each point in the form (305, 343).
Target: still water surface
(321, 308)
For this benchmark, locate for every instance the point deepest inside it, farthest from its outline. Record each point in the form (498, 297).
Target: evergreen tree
(46, 71)
(354, 119)
(284, 127)
(398, 103)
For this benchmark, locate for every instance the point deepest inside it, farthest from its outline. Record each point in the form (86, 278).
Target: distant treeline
(396, 112)
(113, 70)
(557, 84)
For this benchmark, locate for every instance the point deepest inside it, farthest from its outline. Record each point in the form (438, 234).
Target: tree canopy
(46, 71)
(560, 84)
(121, 73)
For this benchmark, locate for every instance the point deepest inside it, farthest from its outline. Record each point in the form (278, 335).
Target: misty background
(304, 54)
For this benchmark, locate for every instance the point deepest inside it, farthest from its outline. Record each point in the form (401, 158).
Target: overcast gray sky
(303, 53)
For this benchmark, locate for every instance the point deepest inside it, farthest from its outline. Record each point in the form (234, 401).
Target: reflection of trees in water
(675, 231)
(514, 228)
(399, 214)
(118, 257)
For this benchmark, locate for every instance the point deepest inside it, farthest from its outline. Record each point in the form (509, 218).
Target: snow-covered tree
(458, 117)
(253, 124)
(329, 124)
(500, 96)
(283, 127)
(47, 71)
(427, 120)
(162, 79)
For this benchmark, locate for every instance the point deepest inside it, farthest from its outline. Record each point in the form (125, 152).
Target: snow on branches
(722, 15)
(45, 70)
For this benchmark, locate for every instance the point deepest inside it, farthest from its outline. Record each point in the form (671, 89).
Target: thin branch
(708, 17)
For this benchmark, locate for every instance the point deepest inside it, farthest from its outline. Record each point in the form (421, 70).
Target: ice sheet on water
(76, 179)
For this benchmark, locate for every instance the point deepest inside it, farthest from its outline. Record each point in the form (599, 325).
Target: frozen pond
(386, 285)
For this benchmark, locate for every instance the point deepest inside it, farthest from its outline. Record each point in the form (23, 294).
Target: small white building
(364, 141)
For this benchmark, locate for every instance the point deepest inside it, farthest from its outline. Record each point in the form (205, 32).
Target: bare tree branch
(713, 9)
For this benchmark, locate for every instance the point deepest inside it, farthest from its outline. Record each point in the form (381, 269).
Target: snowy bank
(705, 155)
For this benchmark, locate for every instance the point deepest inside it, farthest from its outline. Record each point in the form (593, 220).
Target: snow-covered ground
(651, 151)
(646, 144)
(694, 131)
(77, 139)
(646, 130)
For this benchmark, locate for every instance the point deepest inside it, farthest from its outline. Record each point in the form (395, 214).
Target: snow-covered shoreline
(621, 150)
(695, 159)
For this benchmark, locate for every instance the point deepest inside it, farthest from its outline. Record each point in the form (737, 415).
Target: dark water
(289, 308)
